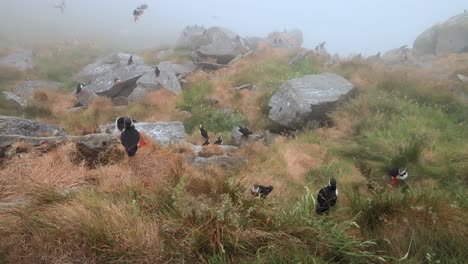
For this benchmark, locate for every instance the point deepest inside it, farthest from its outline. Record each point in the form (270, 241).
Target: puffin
(79, 87)
(203, 132)
(219, 141)
(130, 60)
(397, 174)
(327, 197)
(261, 190)
(157, 71)
(207, 142)
(245, 131)
(130, 137)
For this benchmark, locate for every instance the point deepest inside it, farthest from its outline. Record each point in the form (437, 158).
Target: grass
(155, 208)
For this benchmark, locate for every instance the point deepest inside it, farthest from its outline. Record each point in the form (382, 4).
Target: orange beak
(394, 181)
(141, 143)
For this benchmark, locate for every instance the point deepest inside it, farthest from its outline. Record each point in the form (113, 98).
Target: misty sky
(348, 26)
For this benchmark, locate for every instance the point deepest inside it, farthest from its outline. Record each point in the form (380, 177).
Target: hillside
(57, 206)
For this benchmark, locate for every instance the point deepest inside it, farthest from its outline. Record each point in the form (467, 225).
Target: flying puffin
(130, 60)
(130, 137)
(219, 141)
(397, 174)
(203, 132)
(139, 11)
(327, 197)
(157, 71)
(261, 190)
(245, 131)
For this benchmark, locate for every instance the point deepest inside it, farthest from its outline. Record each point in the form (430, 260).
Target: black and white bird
(203, 132)
(130, 137)
(219, 141)
(245, 131)
(157, 71)
(207, 142)
(397, 174)
(120, 124)
(79, 87)
(327, 197)
(130, 60)
(139, 11)
(261, 190)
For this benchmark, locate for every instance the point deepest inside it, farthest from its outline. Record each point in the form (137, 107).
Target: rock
(85, 97)
(169, 78)
(307, 100)
(21, 61)
(213, 47)
(26, 89)
(238, 139)
(448, 37)
(462, 78)
(127, 77)
(225, 148)
(164, 133)
(398, 56)
(286, 39)
(221, 160)
(14, 100)
(190, 37)
(10, 125)
(250, 87)
(103, 66)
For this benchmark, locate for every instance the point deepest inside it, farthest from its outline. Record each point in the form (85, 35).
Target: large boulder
(286, 39)
(10, 125)
(169, 78)
(214, 47)
(26, 89)
(190, 37)
(163, 133)
(448, 37)
(127, 77)
(21, 61)
(307, 100)
(104, 66)
(14, 100)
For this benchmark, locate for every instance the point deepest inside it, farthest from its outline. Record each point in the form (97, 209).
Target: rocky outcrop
(307, 100)
(214, 47)
(103, 66)
(170, 78)
(26, 89)
(400, 55)
(448, 37)
(190, 37)
(163, 133)
(286, 39)
(21, 61)
(14, 100)
(120, 82)
(10, 125)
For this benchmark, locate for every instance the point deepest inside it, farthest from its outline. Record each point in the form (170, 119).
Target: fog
(348, 26)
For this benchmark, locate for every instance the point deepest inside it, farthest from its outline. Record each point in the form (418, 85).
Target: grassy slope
(156, 209)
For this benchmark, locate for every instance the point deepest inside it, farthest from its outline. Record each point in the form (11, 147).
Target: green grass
(193, 100)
